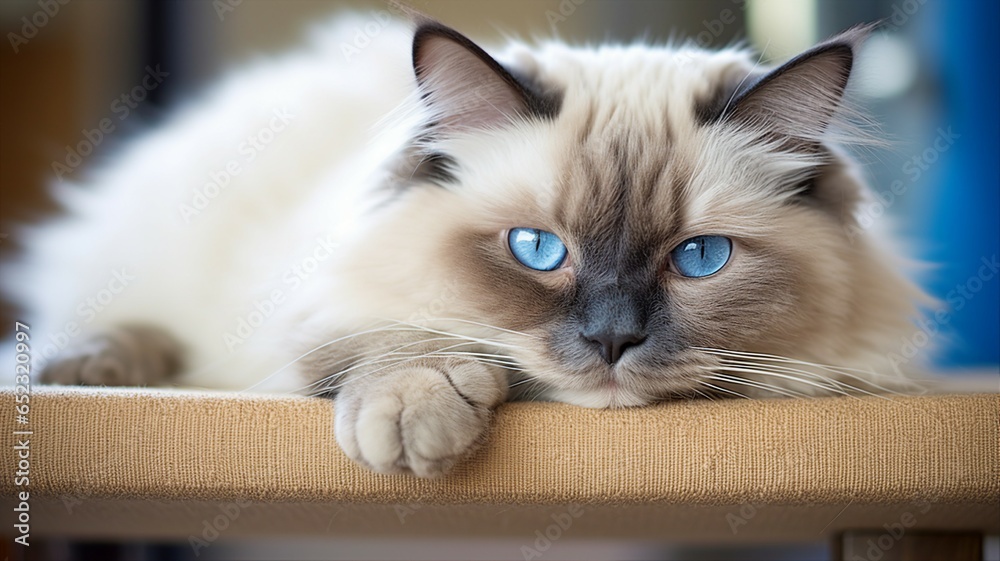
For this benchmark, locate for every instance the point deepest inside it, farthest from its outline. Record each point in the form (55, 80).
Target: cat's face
(642, 205)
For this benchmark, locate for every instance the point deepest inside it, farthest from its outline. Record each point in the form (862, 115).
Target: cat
(421, 231)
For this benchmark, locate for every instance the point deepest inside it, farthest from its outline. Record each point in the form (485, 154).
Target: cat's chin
(607, 397)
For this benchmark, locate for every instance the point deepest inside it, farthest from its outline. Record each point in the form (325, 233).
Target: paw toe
(378, 435)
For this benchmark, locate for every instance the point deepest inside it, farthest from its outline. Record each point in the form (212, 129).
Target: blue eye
(536, 249)
(702, 255)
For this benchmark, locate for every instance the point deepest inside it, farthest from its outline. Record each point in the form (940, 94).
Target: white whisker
(485, 361)
(761, 371)
(702, 394)
(755, 384)
(486, 355)
(740, 85)
(839, 384)
(378, 358)
(845, 371)
(717, 388)
(505, 330)
(470, 338)
(424, 355)
(323, 346)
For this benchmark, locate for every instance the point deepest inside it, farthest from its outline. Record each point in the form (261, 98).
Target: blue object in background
(962, 233)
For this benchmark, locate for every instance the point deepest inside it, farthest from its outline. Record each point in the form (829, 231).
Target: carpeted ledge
(129, 446)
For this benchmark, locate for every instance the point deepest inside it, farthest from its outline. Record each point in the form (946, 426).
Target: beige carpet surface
(164, 445)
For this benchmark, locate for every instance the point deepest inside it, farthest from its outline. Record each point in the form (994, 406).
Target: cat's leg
(421, 415)
(132, 355)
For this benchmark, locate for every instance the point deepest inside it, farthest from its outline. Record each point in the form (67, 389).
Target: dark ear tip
(845, 44)
(852, 38)
(426, 29)
(426, 26)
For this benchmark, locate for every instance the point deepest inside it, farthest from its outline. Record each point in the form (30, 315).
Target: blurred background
(928, 77)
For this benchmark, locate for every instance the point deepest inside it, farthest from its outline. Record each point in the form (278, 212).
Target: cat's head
(623, 208)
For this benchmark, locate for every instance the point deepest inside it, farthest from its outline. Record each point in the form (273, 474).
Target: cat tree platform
(145, 464)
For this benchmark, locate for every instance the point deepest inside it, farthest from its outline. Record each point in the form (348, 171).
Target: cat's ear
(795, 103)
(465, 87)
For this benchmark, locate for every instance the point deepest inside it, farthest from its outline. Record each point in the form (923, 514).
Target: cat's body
(141, 215)
(387, 260)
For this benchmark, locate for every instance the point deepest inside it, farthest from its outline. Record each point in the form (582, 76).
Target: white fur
(196, 278)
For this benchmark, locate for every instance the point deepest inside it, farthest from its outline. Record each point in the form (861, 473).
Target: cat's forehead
(616, 85)
(627, 153)
(636, 154)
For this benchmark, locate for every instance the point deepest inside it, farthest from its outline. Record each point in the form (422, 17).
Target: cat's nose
(613, 345)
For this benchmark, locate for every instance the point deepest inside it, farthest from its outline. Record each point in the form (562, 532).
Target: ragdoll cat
(421, 231)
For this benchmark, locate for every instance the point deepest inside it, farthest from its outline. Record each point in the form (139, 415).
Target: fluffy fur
(357, 251)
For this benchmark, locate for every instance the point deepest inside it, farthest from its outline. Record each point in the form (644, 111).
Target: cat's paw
(418, 419)
(124, 356)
